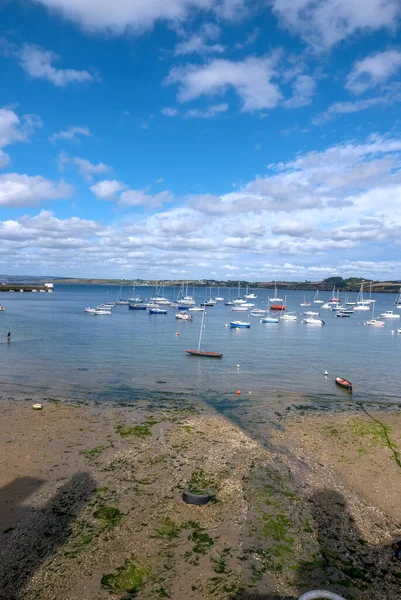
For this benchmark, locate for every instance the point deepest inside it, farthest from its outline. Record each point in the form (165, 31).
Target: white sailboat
(361, 304)
(374, 322)
(275, 297)
(316, 298)
(397, 303)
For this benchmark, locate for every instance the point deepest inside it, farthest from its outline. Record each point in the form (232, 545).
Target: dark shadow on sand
(34, 534)
(343, 563)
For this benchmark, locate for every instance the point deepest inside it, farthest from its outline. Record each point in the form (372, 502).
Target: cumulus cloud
(373, 70)
(71, 133)
(392, 95)
(142, 198)
(251, 79)
(15, 129)
(107, 189)
(134, 16)
(117, 191)
(23, 190)
(84, 166)
(304, 87)
(37, 63)
(200, 43)
(324, 23)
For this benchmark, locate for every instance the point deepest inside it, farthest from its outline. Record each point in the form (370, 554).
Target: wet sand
(91, 503)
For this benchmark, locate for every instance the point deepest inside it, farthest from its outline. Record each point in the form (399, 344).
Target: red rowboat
(344, 383)
(277, 307)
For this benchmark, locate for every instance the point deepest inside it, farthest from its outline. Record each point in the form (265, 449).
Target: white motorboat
(181, 316)
(311, 313)
(389, 314)
(196, 308)
(313, 321)
(239, 308)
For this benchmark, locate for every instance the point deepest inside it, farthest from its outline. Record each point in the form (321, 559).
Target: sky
(200, 139)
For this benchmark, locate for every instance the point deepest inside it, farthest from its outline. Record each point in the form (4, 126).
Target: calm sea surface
(58, 350)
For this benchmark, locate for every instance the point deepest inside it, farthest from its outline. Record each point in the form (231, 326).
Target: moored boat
(240, 324)
(270, 320)
(135, 306)
(313, 321)
(344, 383)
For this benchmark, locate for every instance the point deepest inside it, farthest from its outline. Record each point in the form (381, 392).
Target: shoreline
(92, 501)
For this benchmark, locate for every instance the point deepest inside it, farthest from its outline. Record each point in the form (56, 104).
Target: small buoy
(37, 406)
(238, 366)
(178, 333)
(249, 392)
(238, 392)
(226, 324)
(325, 373)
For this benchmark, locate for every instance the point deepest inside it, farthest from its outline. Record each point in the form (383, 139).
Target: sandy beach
(91, 503)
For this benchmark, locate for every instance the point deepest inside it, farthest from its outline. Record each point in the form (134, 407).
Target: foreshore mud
(91, 502)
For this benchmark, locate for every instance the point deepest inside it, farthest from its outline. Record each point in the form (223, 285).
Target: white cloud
(324, 23)
(198, 113)
(169, 111)
(373, 70)
(84, 166)
(304, 87)
(250, 78)
(71, 133)
(142, 198)
(118, 191)
(207, 113)
(15, 129)
(23, 190)
(344, 108)
(38, 64)
(107, 189)
(133, 15)
(199, 43)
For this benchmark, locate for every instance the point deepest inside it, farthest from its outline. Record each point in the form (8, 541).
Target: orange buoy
(238, 392)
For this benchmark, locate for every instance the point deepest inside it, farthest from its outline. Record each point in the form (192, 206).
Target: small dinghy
(344, 383)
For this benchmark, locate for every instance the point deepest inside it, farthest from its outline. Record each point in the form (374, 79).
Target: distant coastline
(351, 284)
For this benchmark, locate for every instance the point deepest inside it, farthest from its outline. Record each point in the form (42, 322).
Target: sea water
(58, 350)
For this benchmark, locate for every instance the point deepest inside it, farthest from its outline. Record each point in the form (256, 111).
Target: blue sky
(251, 139)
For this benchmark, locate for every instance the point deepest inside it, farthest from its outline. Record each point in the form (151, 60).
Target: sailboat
(200, 352)
(305, 303)
(120, 301)
(275, 297)
(134, 297)
(316, 298)
(397, 303)
(361, 304)
(374, 322)
(218, 297)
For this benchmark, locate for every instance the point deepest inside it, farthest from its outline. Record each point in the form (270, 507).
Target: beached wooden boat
(344, 383)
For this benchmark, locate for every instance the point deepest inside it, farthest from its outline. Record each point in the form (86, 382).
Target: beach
(91, 501)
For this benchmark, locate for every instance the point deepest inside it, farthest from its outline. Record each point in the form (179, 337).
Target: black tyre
(198, 499)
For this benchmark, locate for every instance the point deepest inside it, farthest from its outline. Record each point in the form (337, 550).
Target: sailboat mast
(201, 329)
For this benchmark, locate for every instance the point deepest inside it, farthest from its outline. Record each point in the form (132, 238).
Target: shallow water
(58, 350)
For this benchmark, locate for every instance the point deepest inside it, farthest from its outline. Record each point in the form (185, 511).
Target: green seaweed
(108, 514)
(128, 578)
